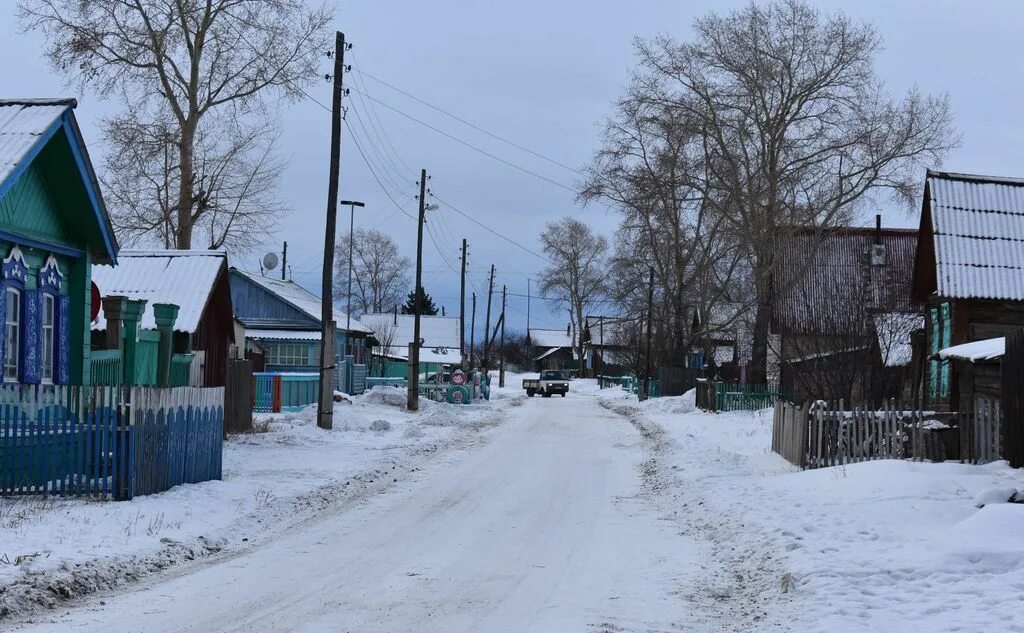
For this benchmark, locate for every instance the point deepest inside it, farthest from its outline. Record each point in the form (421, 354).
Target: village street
(545, 528)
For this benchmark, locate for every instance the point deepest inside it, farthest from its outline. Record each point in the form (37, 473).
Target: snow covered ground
(874, 546)
(592, 513)
(273, 480)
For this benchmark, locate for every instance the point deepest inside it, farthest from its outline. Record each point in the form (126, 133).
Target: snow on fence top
(978, 350)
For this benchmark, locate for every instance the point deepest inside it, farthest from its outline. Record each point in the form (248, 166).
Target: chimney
(878, 248)
(442, 311)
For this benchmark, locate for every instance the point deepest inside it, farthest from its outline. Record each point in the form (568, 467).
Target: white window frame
(12, 344)
(290, 354)
(46, 370)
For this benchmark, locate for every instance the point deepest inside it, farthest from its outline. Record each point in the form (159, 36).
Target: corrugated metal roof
(549, 338)
(436, 331)
(184, 278)
(978, 226)
(614, 330)
(22, 124)
(283, 335)
(826, 283)
(302, 299)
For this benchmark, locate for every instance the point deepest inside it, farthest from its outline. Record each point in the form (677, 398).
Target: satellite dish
(270, 261)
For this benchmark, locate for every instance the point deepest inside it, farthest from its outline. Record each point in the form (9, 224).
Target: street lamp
(352, 204)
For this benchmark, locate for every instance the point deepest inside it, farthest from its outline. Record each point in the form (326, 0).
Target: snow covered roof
(988, 349)
(184, 278)
(283, 335)
(977, 223)
(893, 330)
(22, 125)
(436, 331)
(549, 352)
(549, 338)
(614, 330)
(427, 354)
(302, 299)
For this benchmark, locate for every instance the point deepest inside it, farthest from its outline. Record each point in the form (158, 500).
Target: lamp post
(352, 204)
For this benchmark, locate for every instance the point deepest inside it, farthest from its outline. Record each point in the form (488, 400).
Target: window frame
(49, 300)
(11, 290)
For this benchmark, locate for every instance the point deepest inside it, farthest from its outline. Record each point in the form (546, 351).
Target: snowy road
(543, 528)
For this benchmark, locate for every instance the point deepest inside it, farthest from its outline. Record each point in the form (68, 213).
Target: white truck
(551, 381)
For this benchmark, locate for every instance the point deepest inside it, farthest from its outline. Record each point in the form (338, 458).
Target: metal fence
(722, 396)
(107, 442)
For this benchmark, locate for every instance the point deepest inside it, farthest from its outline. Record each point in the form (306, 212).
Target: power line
(360, 71)
(489, 229)
(385, 170)
(374, 174)
(374, 113)
(470, 145)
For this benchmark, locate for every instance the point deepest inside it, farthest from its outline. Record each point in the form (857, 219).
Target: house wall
(256, 306)
(214, 333)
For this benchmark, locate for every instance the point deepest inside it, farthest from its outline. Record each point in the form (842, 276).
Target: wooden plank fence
(981, 433)
(107, 441)
(820, 435)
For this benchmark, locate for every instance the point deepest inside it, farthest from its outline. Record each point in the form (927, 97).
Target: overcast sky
(543, 74)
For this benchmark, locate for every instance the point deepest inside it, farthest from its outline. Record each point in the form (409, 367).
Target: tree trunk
(186, 148)
(759, 355)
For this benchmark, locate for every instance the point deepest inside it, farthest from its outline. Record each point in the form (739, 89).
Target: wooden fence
(818, 436)
(104, 441)
(981, 432)
(238, 391)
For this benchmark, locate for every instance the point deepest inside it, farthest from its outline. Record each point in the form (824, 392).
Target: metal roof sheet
(184, 278)
(978, 228)
(826, 282)
(303, 299)
(22, 124)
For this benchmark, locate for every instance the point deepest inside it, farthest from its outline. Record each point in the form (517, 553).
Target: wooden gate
(238, 397)
(1013, 399)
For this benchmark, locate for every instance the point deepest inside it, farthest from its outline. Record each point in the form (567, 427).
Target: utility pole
(325, 402)
(352, 204)
(462, 310)
(472, 334)
(527, 305)
(284, 260)
(601, 334)
(501, 371)
(487, 322)
(413, 399)
(650, 310)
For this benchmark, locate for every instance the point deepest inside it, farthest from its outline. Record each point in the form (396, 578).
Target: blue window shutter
(31, 345)
(62, 334)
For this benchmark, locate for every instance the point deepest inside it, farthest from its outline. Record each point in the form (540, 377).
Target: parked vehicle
(551, 381)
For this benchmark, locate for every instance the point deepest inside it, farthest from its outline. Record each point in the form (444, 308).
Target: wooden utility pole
(284, 260)
(487, 322)
(501, 370)
(527, 306)
(472, 335)
(462, 310)
(325, 402)
(413, 399)
(650, 310)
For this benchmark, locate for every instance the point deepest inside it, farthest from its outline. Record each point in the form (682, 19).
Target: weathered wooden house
(610, 345)
(551, 349)
(53, 228)
(838, 292)
(196, 282)
(281, 322)
(969, 271)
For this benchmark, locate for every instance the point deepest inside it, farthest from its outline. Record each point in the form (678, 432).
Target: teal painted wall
(26, 209)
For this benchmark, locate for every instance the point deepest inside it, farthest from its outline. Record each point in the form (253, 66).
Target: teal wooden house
(53, 227)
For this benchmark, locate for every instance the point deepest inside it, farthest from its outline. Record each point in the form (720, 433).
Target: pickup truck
(551, 381)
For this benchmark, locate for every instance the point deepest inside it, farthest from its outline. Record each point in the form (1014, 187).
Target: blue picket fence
(108, 442)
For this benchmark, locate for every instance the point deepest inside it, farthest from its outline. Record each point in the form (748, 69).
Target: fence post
(113, 312)
(164, 314)
(132, 315)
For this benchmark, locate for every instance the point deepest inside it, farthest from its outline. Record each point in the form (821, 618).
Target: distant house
(53, 228)
(281, 324)
(394, 333)
(195, 281)
(551, 349)
(715, 336)
(834, 288)
(969, 270)
(608, 345)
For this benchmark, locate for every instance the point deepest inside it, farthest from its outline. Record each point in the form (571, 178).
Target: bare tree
(576, 274)
(795, 127)
(193, 150)
(379, 272)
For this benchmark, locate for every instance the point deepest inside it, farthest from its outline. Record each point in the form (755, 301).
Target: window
(13, 332)
(292, 354)
(49, 312)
